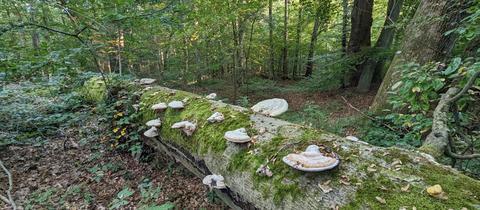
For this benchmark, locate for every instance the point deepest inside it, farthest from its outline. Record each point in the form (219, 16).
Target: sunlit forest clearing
(239, 104)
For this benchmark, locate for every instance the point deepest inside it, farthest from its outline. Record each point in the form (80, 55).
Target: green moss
(94, 90)
(461, 190)
(207, 136)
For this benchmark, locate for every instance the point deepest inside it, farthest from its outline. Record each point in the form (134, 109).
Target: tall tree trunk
(313, 41)
(297, 42)
(344, 26)
(360, 35)
(270, 38)
(383, 43)
(426, 42)
(285, 43)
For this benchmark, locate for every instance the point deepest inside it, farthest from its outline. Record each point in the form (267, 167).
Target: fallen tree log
(368, 177)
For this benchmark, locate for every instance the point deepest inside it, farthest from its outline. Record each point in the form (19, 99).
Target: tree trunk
(360, 35)
(313, 41)
(383, 43)
(270, 38)
(285, 43)
(344, 26)
(348, 186)
(297, 43)
(425, 42)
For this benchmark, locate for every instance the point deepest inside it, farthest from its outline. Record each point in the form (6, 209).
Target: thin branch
(465, 88)
(366, 115)
(10, 186)
(459, 156)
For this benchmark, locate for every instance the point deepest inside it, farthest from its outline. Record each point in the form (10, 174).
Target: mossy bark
(355, 185)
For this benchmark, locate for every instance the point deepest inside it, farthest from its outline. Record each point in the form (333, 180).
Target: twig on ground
(366, 115)
(10, 186)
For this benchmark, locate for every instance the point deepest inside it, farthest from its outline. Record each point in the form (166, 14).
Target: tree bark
(383, 43)
(424, 42)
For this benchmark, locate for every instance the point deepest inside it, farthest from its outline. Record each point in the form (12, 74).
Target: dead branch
(10, 187)
(366, 115)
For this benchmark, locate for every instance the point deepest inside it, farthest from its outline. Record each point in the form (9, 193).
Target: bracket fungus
(151, 133)
(154, 123)
(159, 107)
(147, 81)
(237, 136)
(271, 107)
(216, 117)
(187, 127)
(214, 181)
(176, 105)
(211, 96)
(313, 160)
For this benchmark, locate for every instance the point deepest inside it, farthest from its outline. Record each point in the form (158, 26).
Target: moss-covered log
(366, 175)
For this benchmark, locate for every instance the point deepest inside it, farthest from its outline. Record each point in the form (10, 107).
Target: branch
(366, 115)
(459, 156)
(10, 186)
(465, 88)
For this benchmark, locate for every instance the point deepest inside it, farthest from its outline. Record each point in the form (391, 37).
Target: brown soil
(50, 166)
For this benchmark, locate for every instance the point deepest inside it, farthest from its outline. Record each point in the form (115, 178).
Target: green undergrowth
(208, 136)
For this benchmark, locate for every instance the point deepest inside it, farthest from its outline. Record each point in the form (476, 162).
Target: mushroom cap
(186, 126)
(216, 117)
(154, 123)
(214, 181)
(159, 106)
(271, 107)
(237, 136)
(147, 81)
(152, 132)
(352, 138)
(211, 96)
(312, 160)
(176, 105)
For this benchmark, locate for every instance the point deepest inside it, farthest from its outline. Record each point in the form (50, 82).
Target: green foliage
(121, 201)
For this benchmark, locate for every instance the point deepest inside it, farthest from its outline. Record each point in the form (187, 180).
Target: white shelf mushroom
(271, 107)
(176, 105)
(214, 181)
(216, 117)
(237, 136)
(211, 96)
(159, 107)
(147, 81)
(312, 160)
(151, 133)
(154, 123)
(187, 127)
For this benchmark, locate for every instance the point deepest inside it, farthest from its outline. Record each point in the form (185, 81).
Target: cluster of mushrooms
(313, 159)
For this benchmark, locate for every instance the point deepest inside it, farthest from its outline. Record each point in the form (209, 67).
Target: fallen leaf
(437, 192)
(381, 200)
(371, 168)
(405, 188)
(325, 187)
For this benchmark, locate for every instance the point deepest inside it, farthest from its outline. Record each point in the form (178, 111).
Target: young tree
(285, 42)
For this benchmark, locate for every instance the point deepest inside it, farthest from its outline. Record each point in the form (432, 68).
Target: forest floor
(332, 108)
(58, 161)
